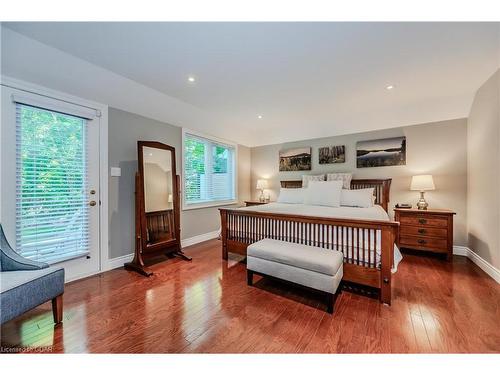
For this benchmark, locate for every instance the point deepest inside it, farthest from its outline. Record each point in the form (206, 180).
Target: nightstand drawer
(407, 230)
(432, 221)
(436, 244)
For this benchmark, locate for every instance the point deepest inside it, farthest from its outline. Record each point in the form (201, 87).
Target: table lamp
(261, 185)
(422, 183)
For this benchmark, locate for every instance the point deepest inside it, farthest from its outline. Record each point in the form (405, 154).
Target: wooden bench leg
(57, 309)
(330, 300)
(249, 277)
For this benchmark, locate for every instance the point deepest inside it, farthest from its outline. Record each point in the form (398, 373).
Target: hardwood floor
(205, 306)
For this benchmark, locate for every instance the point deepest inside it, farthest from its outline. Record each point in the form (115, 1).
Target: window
(208, 172)
(51, 181)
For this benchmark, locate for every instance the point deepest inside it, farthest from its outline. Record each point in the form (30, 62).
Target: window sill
(195, 206)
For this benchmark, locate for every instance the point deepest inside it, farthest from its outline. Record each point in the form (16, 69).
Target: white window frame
(193, 206)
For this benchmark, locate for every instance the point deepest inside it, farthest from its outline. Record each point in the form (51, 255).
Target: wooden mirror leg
(180, 254)
(132, 266)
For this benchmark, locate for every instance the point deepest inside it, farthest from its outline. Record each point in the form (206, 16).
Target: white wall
(483, 158)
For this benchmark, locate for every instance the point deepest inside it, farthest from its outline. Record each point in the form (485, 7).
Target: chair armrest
(12, 261)
(15, 262)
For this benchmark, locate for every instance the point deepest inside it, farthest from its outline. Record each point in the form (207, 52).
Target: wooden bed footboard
(367, 245)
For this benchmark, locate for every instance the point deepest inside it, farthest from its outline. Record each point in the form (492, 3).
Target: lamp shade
(422, 183)
(261, 184)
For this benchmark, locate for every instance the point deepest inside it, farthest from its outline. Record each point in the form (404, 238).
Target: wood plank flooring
(206, 307)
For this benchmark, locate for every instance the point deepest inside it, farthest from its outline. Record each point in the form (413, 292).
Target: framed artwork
(381, 152)
(332, 155)
(296, 159)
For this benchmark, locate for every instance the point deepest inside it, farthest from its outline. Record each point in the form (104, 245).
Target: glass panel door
(50, 188)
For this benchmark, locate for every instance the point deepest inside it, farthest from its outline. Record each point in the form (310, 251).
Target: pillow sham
(307, 178)
(357, 198)
(323, 193)
(344, 177)
(291, 195)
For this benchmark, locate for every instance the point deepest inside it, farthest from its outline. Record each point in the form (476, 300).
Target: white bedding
(375, 212)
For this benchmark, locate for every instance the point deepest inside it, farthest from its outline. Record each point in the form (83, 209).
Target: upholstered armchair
(26, 284)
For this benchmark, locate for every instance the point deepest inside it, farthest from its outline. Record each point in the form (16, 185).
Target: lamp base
(422, 204)
(262, 198)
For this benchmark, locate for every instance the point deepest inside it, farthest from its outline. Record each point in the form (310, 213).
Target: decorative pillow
(323, 193)
(357, 198)
(344, 177)
(291, 195)
(307, 178)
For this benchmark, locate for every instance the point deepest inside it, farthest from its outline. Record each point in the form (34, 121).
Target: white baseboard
(492, 271)
(118, 262)
(200, 238)
(460, 250)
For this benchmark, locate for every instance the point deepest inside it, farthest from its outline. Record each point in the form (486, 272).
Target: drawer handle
(421, 242)
(422, 221)
(421, 231)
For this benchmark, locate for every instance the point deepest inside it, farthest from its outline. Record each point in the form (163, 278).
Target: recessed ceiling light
(259, 117)
(191, 79)
(389, 87)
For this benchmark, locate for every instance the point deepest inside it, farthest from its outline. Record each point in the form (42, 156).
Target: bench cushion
(301, 276)
(23, 290)
(310, 258)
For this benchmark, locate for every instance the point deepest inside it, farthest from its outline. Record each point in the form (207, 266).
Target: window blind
(52, 217)
(209, 171)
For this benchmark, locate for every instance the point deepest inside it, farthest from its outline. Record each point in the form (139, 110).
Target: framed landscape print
(332, 155)
(381, 152)
(297, 159)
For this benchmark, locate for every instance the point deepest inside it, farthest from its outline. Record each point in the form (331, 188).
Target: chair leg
(249, 277)
(57, 309)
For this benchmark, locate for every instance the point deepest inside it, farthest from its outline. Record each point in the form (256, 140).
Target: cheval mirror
(157, 208)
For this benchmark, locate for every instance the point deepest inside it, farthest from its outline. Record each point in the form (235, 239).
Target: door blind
(209, 174)
(52, 217)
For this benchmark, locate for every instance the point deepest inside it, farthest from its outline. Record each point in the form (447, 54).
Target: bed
(365, 236)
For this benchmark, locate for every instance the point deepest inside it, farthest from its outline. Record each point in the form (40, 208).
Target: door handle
(92, 203)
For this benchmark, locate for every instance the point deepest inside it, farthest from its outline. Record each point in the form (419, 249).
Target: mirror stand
(157, 208)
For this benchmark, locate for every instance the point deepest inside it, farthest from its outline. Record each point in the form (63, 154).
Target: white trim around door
(70, 100)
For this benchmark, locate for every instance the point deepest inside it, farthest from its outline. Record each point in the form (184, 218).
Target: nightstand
(426, 230)
(254, 203)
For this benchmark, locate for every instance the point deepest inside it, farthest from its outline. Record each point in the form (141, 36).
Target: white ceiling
(307, 80)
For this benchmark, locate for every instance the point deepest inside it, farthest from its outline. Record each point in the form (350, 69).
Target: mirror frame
(175, 201)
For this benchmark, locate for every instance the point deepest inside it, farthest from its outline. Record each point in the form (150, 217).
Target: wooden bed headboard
(382, 188)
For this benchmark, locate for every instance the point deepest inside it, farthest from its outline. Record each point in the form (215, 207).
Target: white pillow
(307, 178)
(357, 198)
(291, 195)
(323, 193)
(344, 177)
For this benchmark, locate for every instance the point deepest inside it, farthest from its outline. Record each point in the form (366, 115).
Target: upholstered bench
(310, 266)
